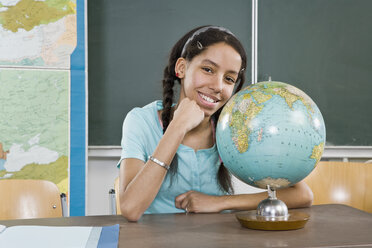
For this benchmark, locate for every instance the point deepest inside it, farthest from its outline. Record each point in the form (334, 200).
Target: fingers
(182, 201)
(189, 114)
(179, 199)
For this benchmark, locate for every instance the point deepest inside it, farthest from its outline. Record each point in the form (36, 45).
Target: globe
(270, 134)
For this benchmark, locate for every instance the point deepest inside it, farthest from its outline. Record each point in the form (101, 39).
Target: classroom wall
(101, 175)
(128, 46)
(320, 46)
(102, 172)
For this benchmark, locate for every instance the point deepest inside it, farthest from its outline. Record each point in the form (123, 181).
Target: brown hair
(190, 45)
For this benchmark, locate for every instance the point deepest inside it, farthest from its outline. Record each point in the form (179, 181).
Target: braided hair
(190, 45)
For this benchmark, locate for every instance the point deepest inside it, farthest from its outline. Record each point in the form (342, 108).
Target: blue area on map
(2, 163)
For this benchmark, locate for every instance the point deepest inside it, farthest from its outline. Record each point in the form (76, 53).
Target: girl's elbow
(130, 214)
(308, 197)
(131, 217)
(129, 207)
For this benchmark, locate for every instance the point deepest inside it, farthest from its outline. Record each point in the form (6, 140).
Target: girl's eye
(207, 69)
(230, 79)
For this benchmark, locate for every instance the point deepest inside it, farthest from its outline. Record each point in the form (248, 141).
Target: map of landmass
(317, 152)
(270, 133)
(260, 94)
(34, 124)
(27, 14)
(37, 33)
(241, 130)
(37, 38)
(273, 182)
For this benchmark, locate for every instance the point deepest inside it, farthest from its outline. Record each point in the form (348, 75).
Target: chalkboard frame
(128, 46)
(324, 48)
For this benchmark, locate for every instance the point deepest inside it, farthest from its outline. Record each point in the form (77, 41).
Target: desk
(329, 225)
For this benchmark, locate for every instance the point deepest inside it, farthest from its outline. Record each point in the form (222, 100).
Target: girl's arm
(296, 196)
(140, 182)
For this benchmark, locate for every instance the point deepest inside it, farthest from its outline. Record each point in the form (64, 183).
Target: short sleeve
(133, 137)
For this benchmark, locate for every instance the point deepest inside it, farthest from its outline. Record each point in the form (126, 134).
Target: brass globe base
(250, 219)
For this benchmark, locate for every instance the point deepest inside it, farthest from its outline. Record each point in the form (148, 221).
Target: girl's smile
(210, 77)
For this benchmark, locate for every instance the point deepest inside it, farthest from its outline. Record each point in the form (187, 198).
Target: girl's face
(209, 78)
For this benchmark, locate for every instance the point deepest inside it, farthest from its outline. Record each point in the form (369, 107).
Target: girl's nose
(217, 84)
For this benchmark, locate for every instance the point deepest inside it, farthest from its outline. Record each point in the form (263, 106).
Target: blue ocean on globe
(2, 164)
(270, 133)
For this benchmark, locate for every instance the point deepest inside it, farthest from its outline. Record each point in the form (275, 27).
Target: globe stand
(272, 214)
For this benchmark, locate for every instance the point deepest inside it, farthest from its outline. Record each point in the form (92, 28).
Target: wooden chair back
(342, 182)
(117, 202)
(26, 198)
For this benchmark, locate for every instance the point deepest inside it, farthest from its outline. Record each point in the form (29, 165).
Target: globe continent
(270, 133)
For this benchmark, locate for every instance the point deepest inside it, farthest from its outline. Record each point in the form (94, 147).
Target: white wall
(101, 175)
(102, 172)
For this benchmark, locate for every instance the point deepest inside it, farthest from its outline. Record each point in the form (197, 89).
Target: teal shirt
(197, 171)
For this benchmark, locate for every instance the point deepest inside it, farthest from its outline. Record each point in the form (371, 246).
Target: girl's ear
(180, 67)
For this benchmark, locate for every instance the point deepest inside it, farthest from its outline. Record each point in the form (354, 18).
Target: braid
(169, 78)
(168, 95)
(224, 179)
(242, 80)
(168, 98)
(223, 175)
(187, 47)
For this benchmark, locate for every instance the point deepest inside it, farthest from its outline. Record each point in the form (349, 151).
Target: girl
(169, 161)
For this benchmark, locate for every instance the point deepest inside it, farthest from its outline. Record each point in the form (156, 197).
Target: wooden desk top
(329, 225)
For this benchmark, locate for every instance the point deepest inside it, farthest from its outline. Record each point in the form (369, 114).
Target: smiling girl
(169, 161)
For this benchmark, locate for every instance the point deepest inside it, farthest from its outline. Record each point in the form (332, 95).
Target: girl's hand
(188, 114)
(196, 202)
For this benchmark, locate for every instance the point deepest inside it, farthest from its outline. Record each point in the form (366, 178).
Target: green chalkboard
(128, 45)
(323, 47)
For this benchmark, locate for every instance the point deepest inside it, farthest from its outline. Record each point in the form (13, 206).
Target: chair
(116, 186)
(114, 198)
(342, 182)
(26, 198)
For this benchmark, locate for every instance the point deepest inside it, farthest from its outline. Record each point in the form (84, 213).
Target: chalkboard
(128, 46)
(323, 47)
